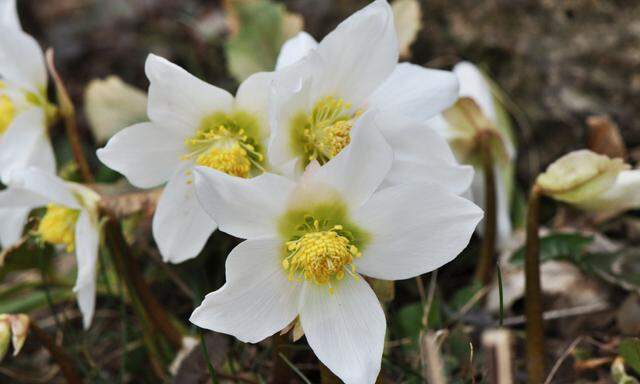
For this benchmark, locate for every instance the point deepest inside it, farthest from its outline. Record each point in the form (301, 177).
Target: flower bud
(580, 176)
(5, 335)
(19, 328)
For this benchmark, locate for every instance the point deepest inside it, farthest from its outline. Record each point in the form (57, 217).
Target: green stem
(484, 269)
(205, 355)
(533, 293)
(281, 372)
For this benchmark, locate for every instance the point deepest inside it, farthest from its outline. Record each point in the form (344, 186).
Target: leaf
(262, 27)
(629, 349)
(112, 105)
(620, 268)
(558, 246)
(407, 17)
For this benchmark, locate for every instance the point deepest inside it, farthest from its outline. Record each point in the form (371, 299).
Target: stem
(128, 268)
(58, 354)
(484, 268)
(533, 293)
(68, 114)
(281, 371)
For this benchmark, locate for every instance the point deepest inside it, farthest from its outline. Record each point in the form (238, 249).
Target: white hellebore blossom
(322, 89)
(192, 123)
(475, 86)
(24, 111)
(71, 220)
(310, 242)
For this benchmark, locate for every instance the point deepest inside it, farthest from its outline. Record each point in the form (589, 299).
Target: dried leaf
(630, 351)
(604, 137)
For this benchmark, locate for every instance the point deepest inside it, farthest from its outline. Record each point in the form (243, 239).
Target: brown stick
(484, 267)
(533, 293)
(58, 354)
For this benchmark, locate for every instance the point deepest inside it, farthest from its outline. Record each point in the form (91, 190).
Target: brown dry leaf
(407, 16)
(604, 137)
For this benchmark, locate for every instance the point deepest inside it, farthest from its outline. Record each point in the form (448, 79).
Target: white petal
(9, 15)
(295, 49)
(622, 195)
(21, 198)
(253, 96)
(245, 208)
(87, 241)
(358, 55)
(414, 229)
(345, 329)
(474, 85)
(12, 222)
(21, 60)
(47, 186)
(257, 300)
(179, 100)
(180, 226)
(416, 92)
(26, 143)
(146, 153)
(359, 169)
(421, 155)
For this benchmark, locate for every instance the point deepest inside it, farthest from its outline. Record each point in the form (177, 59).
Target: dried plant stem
(484, 268)
(68, 114)
(58, 354)
(533, 293)
(281, 372)
(136, 285)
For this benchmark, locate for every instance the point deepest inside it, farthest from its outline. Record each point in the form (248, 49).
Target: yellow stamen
(326, 131)
(223, 144)
(58, 226)
(320, 256)
(7, 113)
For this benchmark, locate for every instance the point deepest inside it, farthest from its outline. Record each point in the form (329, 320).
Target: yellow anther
(221, 143)
(320, 256)
(7, 113)
(58, 226)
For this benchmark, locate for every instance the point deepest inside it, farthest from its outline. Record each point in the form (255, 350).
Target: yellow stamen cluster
(321, 256)
(224, 149)
(7, 113)
(327, 130)
(58, 226)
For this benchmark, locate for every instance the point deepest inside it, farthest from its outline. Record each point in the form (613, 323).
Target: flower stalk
(484, 268)
(533, 292)
(58, 354)
(68, 114)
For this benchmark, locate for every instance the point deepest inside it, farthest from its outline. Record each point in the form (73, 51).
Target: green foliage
(630, 351)
(558, 246)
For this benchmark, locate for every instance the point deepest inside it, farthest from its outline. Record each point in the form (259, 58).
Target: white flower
(24, 108)
(71, 220)
(192, 123)
(310, 241)
(474, 85)
(321, 89)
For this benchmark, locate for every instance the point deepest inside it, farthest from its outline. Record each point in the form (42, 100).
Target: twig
(432, 365)
(565, 354)
(560, 313)
(498, 357)
(429, 302)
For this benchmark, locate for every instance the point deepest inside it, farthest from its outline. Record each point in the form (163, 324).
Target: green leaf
(464, 295)
(558, 246)
(630, 351)
(263, 28)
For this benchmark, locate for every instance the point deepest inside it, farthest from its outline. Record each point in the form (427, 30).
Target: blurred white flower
(112, 105)
(192, 123)
(24, 108)
(310, 242)
(71, 220)
(592, 182)
(321, 89)
(480, 106)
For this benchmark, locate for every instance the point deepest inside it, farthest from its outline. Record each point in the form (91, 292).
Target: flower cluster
(326, 166)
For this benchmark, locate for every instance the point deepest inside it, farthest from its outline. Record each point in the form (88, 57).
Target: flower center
(222, 142)
(325, 132)
(7, 113)
(58, 226)
(321, 255)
